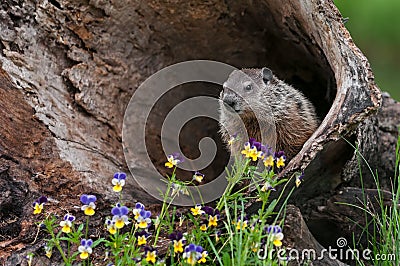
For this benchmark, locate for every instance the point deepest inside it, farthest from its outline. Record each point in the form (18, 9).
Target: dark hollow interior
(242, 35)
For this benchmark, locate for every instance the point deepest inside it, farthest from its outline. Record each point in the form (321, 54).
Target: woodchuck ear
(266, 74)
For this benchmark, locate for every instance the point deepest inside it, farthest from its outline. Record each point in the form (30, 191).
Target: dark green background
(375, 28)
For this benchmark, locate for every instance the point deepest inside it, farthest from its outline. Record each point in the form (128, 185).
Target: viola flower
(203, 227)
(267, 186)
(280, 159)
(89, 206)
(268, 157)
(177, 188)
(212, 220)
(151, 254)
(48, 251)
(120, 217)
(217, 236)
(204, 254)
(174, 159)
(67, 223)
(118, 181)
(38, 204)
(178, 240)
(197, 210)
(299, 179)
(232, 139)
(241, 225)
(111, 228)
(252, 149)
(193, 253)
(277, 235)
(198, 177)
(142, 237)
(85, 248)
(144, 221)
(138, 208)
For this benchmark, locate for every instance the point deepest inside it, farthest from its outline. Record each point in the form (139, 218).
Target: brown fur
(278, 106)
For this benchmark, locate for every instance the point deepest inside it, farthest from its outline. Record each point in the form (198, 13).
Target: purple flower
(120, 217)
(175, 236)
(87, 199)
(38, 204)
(192, 253)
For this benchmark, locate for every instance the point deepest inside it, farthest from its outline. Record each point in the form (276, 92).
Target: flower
(212, 220)
(178, 188)
(267, 186)
(67, 223)
(151, 254)
(276, 233)
(204, 254)
(38, 204)
(85, 248)
(120, 217)
(48, 251)
(118, 181)
(203, 227)
(178, 240)
(110, 224)
(89, 206)
(240, 225)
(193, 253)
(217, 236)
(268, 156)
(280, 159)
(252, 149)
(232, 139)
(197, 210)
(141, 237)
(144, 221)
(198, 177)
(174, 159)
(299, 179)
(138, 208)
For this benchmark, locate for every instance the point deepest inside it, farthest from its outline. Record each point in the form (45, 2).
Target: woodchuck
(270, 110)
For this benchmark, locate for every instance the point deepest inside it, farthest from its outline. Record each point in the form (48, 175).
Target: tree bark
(69, 68)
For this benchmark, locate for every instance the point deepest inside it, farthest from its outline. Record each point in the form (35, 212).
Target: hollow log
(69, 69)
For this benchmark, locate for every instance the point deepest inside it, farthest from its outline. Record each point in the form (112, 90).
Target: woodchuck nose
(270, 110)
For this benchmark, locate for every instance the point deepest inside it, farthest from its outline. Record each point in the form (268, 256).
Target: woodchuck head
(256, 104)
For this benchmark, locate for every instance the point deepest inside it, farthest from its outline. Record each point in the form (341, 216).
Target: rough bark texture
(69, 68)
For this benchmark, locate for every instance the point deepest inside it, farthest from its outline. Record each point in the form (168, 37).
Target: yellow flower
(241, 225)
(178, 246)
(151, 256)
(254, 154)
(112, 230)
(277, 239)
(246, 149)
(89, 209)
(203, 227)
(198, 176)
(197, 210)
(173, 160)
(38, 208)
(212, 220)
(280, 162)
(66, 226)
(204, 254)
(269, 161)
(142, 240)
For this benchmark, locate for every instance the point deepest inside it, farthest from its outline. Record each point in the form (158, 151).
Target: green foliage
(375, 28)
(224, 235)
